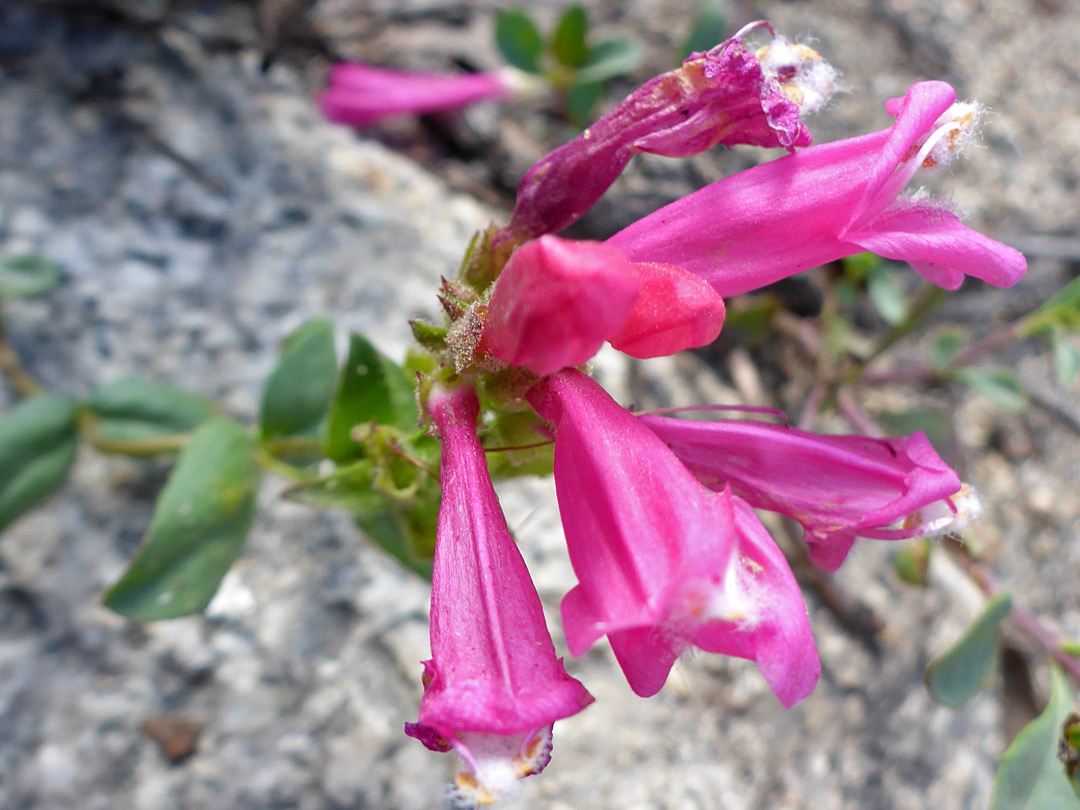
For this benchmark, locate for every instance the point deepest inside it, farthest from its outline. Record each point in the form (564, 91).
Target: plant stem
(926, 299)
(12, 368)
(278, 467)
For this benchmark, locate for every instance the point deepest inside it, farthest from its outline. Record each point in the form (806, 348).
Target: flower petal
(675, 310)
(939, 247)
(556, 302)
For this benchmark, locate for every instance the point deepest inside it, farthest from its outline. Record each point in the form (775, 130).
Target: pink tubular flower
(837, 487)
(830, 201)
(493, 686)
(359, 94)
(558, 300)
(725, 96)
(662, 563)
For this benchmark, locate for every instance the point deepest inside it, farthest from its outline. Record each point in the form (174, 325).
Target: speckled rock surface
(306, 665)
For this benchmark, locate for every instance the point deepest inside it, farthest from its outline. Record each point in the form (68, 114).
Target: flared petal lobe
(658, 558)
(675, 310)
(727, 95)
(764, 618)
(359, 94)
(826, 202)
(837, 487)
(493, 673)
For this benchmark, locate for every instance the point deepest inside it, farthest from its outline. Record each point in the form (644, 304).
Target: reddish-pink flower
(837, 487)
(662, 563)
(493, 687)
(727, 95)
(830, 201)
(557, 301)
(360, 94)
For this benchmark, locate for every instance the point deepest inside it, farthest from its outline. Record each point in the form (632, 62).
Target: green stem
(925, 301)
(278, 467)
(12, 368)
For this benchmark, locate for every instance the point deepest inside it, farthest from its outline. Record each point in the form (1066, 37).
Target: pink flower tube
(558, 300)
(837, 487)
(359, 94)
(725, 96)
(493, 687)
(662, 563)
(830, 201)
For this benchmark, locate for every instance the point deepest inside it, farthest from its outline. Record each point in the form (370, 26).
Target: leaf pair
(565, 58)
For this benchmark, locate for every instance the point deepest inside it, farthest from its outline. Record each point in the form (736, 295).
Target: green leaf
(945, 347)
(886, 296)
(350, 488)
(408, 539)
(137, 410)
(37, 446)
(519, 40)
(1031, 777)
(912, 560)
(580, 102)
(28, 276)
(936, 425)
(199, 526)
(998, 385)
(1062, 309)
(1066, 360)
(299, 390)
(963, 670)
(706, 31)
(370, 389)
(568, 42)
(858, 266)
(610, 58)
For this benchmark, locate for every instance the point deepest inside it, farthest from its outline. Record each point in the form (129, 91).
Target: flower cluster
(659, 513)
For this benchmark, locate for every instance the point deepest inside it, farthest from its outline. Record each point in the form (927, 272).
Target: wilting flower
(725, 96)
(830, 201)
(493, 687)
(557, 301)
(662, 563)
(837, 487)
(359, 94)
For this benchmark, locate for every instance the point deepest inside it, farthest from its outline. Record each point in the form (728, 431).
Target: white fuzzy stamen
(803, 76)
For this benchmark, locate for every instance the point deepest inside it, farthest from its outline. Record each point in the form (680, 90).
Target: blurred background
(171, 160)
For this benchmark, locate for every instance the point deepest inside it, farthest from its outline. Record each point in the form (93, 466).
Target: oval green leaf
(610, 58)
(885, 294)
(37, 446)
(706, 31)
(299, 390)
(199, 526)
(963, 670)
(1066, 360)
(568, 42)
(998, 385)
(1031, 777)
(28, 276)
(133, 410)
(370, 388)
(519, 40)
